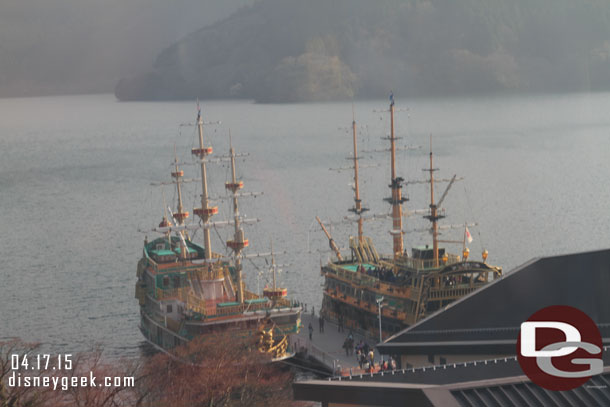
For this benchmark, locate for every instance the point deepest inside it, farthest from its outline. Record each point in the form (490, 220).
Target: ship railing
(454, 292)
(427, 264)
(195, 304)
(170, 293)
(395, 290)
(356, 277)
(283, 303)
(241, 308)
(151, 262)
(249, 295)
(215, 273)
(279, 302)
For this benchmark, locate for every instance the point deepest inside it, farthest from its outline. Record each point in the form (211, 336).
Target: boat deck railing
(360, 279)
(211, 309)
(426, 264)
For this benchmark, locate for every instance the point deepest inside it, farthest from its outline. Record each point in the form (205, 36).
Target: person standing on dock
(346, 346)
(310, 332)
(321, 324)
(372, 359)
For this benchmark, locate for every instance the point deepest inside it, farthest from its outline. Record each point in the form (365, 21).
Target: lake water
(76, 194)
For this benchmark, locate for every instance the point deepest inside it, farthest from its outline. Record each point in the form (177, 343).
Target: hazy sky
(50, 45)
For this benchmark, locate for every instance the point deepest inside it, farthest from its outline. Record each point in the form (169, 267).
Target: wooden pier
(326, 349)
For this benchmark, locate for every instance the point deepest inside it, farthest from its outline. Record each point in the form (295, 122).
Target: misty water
(76, 197)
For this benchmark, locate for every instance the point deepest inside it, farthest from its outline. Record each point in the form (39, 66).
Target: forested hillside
(316, 50)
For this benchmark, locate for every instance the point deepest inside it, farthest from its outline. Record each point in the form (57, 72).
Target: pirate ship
(186, 290)
(378, 294)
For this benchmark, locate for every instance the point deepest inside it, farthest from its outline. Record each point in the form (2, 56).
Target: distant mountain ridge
(319, 50)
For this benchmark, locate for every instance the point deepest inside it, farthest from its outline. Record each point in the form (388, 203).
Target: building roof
(496, 382)
(486, 322)
(492, 315)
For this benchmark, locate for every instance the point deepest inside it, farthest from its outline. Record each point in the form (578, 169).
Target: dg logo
(560, 348)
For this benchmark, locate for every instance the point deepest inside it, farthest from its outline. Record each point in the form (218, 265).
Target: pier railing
(318, 354)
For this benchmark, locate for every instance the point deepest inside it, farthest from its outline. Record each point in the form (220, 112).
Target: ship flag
(468, 235)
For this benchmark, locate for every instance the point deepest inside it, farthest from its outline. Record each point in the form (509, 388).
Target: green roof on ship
(354, 267)
(256, 301)
(163, 252)
(189, 249)
(226, 304)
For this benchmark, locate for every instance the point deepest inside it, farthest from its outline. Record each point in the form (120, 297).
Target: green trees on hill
(290, 50)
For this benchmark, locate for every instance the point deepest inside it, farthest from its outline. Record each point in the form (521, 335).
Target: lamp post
(379, 305)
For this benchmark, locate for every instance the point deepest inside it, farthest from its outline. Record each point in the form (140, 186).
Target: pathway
(327, 347)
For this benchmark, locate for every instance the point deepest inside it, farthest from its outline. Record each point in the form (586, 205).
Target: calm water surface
(76, 194)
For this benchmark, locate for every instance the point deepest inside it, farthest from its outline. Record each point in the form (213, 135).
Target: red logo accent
(560, 348)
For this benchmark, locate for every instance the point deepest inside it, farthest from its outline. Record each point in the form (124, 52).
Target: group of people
(382, 273)
(388, 365)
(365, 355)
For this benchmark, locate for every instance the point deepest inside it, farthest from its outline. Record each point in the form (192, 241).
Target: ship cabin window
(431, 359)
(176, 281)
(169, 308)
(160, 246)
(166, 281)
(426, 252)
(443, 361)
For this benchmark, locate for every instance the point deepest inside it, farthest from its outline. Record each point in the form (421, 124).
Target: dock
(326, 349)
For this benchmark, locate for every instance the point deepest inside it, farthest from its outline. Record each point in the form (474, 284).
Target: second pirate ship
(186, 290)
(378, 294)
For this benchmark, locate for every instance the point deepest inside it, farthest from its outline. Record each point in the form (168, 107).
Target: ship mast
(434, 215)
(238, 243)
(273, 267)
(357, 209)
(396, 200)
(181, 215)
(206, 211)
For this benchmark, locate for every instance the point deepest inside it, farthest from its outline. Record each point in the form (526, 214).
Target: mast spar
(239, 242)
(178, 174)
(434, 214)
(396, 184)
(206, 211)
(357, 209)
(331, 241)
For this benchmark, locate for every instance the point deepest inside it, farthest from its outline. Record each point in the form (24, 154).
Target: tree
(216, 370)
